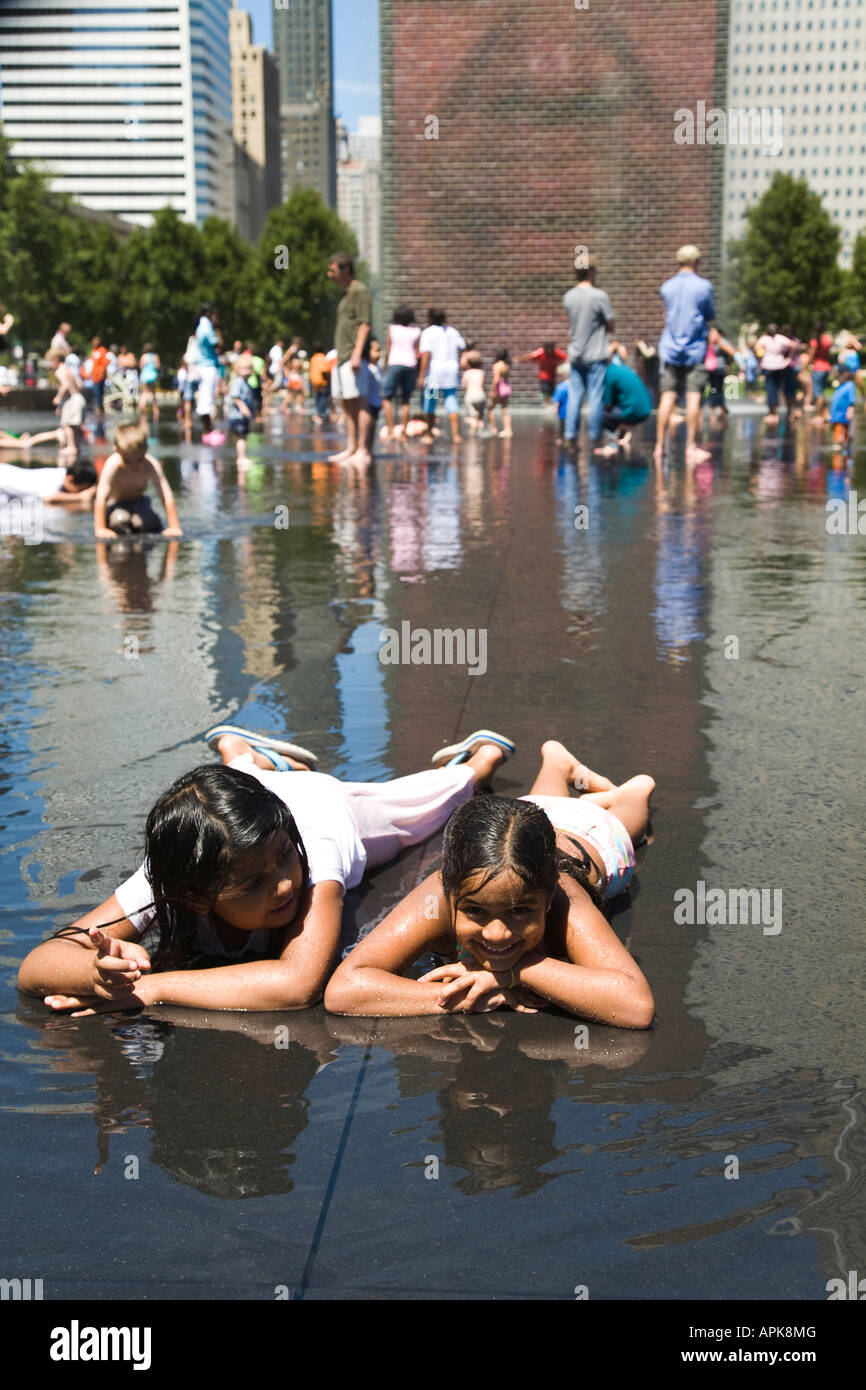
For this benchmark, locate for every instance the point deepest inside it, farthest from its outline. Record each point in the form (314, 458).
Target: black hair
(403, 315)
(82, 471)
(549, 345)
(491, 834)
(200, 837)
(436, 317)
(503, 355)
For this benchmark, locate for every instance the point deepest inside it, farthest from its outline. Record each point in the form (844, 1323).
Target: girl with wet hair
(248, 864)
(516, 909)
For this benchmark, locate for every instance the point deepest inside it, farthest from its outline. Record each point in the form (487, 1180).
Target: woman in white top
(401, 355)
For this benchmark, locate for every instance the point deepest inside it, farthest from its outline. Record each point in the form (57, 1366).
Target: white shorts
(207, 384)
(348, 385)
(72, 410)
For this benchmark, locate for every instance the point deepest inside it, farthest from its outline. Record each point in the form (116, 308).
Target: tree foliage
(785, 269)
(294, 294)
(57, 264)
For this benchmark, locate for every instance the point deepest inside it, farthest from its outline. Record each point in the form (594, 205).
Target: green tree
(228, 271)
(162, 274)
(852, 301)
(293, 293)
(785, 269)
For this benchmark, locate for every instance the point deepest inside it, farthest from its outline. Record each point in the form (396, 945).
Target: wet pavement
(702, 626)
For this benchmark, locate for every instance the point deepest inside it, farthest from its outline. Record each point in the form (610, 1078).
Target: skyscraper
(359, 186)
(801, 69)
(129, 105)
(303, 42)
(256, 116)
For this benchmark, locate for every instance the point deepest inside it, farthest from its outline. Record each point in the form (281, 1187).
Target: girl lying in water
(518, 901)
(247, 864)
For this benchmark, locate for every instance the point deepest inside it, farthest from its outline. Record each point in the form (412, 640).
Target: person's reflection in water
(124, 575)
(223, 1094)
(496, 1079)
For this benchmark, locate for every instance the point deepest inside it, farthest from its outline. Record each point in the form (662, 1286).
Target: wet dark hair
(549, 345)
(491, 834)
(403, 315)
(200, 838)
(82, 471)
(503, 355)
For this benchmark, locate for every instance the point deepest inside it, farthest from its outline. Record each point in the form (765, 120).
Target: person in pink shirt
(775, 351)
(401, 355)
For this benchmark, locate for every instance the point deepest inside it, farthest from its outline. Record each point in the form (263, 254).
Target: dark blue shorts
(240, 427)
(399, 381)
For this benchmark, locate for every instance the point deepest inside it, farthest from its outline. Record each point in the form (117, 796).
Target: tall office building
(128, 105)
(303, 42)
(359, 200)
(256, 116)
(802, 62)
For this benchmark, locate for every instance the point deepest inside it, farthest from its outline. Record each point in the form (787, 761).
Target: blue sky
(356, 52)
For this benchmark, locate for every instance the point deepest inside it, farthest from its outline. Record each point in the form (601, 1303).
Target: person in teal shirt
(626, 403)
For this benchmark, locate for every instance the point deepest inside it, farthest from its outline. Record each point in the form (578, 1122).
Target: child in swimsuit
(517, 908)
(121, 506)
(500, 392)
(474, 395)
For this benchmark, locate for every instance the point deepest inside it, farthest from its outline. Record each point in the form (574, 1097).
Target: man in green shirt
(349, 378)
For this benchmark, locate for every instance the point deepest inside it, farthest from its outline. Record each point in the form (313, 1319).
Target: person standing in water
(689, 310)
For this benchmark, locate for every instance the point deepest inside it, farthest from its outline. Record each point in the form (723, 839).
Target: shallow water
(492, 1156)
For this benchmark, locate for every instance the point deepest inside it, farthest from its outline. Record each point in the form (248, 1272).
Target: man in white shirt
(439, 349)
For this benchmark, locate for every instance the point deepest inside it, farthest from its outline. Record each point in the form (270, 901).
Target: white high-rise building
(806, 61)
(359, 186)
(128, 105)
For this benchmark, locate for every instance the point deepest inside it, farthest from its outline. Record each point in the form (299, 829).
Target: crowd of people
(392, 389)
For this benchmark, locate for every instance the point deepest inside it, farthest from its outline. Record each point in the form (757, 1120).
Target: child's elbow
(341, 993)
(643, 1010)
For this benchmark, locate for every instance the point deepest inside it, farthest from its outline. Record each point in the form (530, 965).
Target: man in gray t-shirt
(590, 317)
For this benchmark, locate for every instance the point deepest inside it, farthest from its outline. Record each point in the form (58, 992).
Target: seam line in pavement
(332, 1180)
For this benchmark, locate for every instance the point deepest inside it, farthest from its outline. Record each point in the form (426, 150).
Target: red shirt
(821, 360)
(547, 362)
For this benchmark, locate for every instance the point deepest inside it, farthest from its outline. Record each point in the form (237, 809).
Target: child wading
(121, 507)
(517, 898)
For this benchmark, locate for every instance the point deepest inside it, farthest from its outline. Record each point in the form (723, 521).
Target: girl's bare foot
(484, 762)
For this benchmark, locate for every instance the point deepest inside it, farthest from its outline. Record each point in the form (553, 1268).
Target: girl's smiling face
(268, 893)
(498, 922)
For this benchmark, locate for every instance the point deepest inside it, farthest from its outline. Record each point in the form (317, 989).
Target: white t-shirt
(444, 345)
(322, 814)
(275, 357)
(404, 345)
(30, 482)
